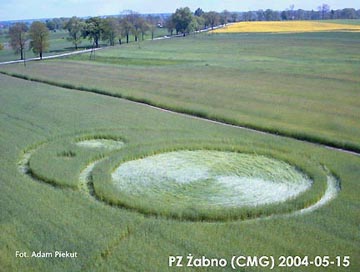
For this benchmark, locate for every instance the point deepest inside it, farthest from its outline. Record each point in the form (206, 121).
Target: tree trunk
(22, 54)
(127, 38)
(41, 55)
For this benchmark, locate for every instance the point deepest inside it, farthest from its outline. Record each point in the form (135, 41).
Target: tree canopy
(93, 29)
(39, 35)
(18, 35)
(182, 19)
(75, 26)
(110, 29)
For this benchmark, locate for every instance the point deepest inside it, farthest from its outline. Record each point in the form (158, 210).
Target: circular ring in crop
(176, 183)
(60, 161)
(193, 185)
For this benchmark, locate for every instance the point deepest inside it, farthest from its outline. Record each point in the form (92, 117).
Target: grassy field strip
(149, 104)
(286, 27)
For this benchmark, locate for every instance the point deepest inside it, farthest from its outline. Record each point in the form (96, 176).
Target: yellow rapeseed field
(286, 27)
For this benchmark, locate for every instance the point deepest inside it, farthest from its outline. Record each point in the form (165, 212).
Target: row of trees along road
(111, 29)
(38, 34)
(130, 23)
(94, 28)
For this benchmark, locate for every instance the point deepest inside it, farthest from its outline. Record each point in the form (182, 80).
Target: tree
(199, 12)
(284, 15)
(200, 23)
(194, 25)
(260, 15)
(170, 25)
(59, 22)
(110, 29)
(126, 28)
(152, 23)
(300, 14)
(131, 23)
(234, 17)
(212, 18)
(39, 35)
(93, 29)
(138, 24)
(143, 26)
(1, 46)
(224, 17)
(324, 10)
(182, 19)
(291, 12)
(75, 26)
(50, 25)
(348, 13)
(17, 34)
(271, 15)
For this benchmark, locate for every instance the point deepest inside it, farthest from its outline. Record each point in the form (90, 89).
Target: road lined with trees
(132, 25)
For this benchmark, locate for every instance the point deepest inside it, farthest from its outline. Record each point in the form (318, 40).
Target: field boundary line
(305, 139)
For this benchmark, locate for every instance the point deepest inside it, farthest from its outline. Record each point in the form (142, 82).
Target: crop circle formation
(210, 178)
(184, 184)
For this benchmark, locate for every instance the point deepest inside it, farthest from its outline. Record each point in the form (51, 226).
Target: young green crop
(38, 216)
(229, 185)
(300, 85)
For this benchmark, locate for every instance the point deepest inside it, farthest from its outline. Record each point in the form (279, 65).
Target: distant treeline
(323, 12)
(115, 29)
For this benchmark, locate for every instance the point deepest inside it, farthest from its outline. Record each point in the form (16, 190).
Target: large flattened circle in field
(213, 179)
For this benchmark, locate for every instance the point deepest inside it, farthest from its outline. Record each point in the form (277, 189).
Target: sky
(36, 9)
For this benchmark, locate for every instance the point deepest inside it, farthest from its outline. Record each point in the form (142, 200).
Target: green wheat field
(67, 125)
